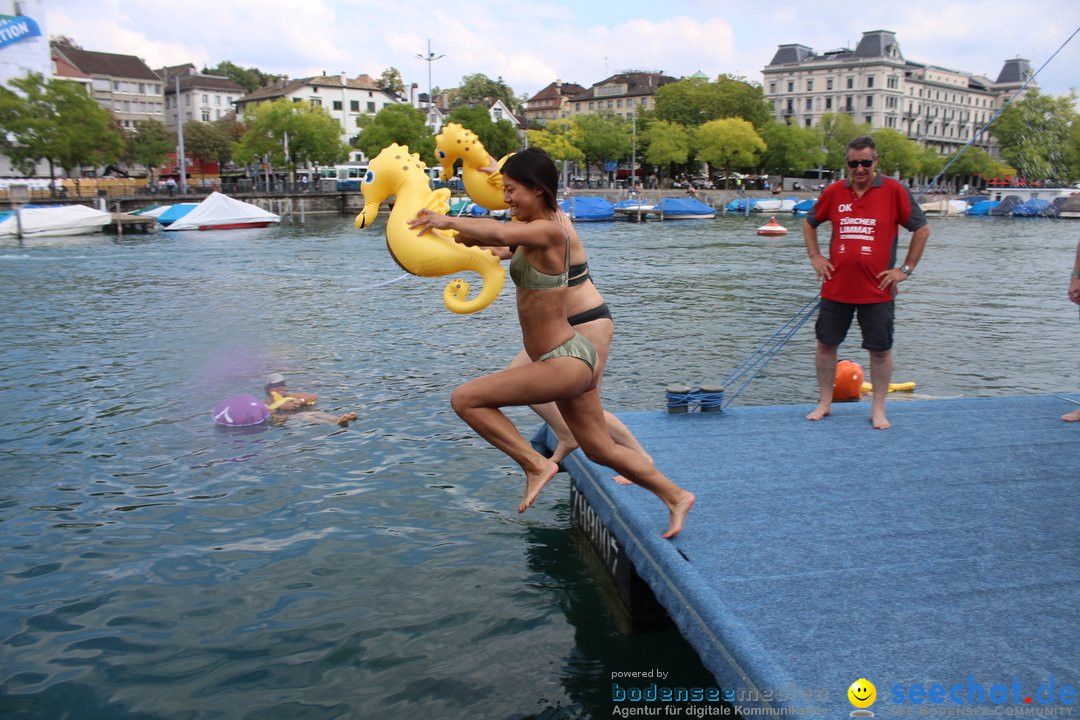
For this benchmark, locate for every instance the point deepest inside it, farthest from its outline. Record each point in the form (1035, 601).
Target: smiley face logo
(862, 693)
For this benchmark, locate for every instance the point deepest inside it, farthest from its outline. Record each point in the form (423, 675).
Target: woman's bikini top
(526, 277)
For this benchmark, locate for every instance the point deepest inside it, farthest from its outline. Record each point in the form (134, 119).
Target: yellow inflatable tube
(867, 388)
(395, 171)
(458, 142)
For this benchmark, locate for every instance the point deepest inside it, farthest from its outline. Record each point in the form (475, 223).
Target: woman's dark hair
(534, 168)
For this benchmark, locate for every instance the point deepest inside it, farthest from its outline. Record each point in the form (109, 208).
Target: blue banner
(15, 28)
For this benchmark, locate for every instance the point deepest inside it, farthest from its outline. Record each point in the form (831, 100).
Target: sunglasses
(857, 163)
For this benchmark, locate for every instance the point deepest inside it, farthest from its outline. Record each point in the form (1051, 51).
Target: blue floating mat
(942, 552)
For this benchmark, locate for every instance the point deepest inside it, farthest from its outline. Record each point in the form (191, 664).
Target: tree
(601, 137)
(313, 136)
(150, 143)
(397, 123)
(837, 130)
(58, 122)
(479, 89)
(498, 138)
(694, 101)
(971, 161)
(1035, 134)
(666, 143)
(391, 81)
(206, 143)
(896, 153)
(730, 144)
(248, 78)
(930, 163)
(559, 145)
(790, 148)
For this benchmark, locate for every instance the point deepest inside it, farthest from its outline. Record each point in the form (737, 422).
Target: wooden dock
(129, 224)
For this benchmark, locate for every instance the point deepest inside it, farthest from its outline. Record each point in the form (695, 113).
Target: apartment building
(346, 99)
(624, 94)
(551, 103)
(875, 84)
(201, 98)
(122, 84)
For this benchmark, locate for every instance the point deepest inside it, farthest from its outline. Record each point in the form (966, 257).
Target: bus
(349, 176)
(345, 177)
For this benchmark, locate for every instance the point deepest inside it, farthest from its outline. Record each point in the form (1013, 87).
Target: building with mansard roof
(875, 84)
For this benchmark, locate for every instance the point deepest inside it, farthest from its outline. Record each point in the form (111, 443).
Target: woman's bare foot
(1074, 416)
(535, 482)
(879, 421)
(678, 513)
(345, 419)
(821, 411)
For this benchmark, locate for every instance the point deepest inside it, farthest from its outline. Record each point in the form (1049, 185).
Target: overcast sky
(530, 44)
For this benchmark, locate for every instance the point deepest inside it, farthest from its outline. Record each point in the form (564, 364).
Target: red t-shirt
(864, 236)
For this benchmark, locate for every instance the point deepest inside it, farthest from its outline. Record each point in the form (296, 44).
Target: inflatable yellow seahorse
(395, 171)
(456, 141)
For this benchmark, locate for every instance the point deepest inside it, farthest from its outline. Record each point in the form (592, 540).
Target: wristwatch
(906, 269)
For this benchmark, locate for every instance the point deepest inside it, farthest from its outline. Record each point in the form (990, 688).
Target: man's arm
(1074, 283)
(895, 276)
(822, 267)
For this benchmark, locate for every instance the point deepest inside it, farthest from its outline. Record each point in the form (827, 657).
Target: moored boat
(54, 220)
(684, 209)
(220, 212)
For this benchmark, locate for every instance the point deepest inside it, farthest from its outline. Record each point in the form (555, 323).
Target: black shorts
(875, 321)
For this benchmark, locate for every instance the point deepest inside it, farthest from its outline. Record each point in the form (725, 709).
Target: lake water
(157, 566)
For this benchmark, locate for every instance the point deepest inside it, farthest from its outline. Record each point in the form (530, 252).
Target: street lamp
(429, 58)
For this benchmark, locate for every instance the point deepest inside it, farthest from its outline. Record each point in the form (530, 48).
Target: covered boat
(805, 206)
(588, 209)
(944, 207)
(684, 209)
(1035, 207)
(1005, 205)
(1071, 207)
(741, 205)
(168, 214)
(982, 207)
(220, 212)
(44, 221)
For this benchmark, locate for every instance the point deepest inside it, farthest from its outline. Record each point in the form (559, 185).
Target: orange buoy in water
(848, 384)
(772, 228)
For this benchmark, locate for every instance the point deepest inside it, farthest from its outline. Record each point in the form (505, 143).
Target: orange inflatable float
(849, 379)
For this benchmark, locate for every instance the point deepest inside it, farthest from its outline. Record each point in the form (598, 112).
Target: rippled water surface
(154, 565)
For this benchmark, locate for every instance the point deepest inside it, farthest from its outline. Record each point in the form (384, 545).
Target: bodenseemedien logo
(862, 695)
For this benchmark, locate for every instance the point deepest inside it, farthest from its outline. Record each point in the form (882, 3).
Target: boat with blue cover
(685, 209)
(588, 209)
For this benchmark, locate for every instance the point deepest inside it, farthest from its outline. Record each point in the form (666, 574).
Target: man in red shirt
(860, 275)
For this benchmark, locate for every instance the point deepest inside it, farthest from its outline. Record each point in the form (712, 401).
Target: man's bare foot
(678, 513)
(563, 448)
(1074, 416)
(879, 421)
(534, 483)
(345, 419)
(821, 411)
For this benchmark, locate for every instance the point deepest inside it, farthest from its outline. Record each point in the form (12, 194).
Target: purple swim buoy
(240, 411)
